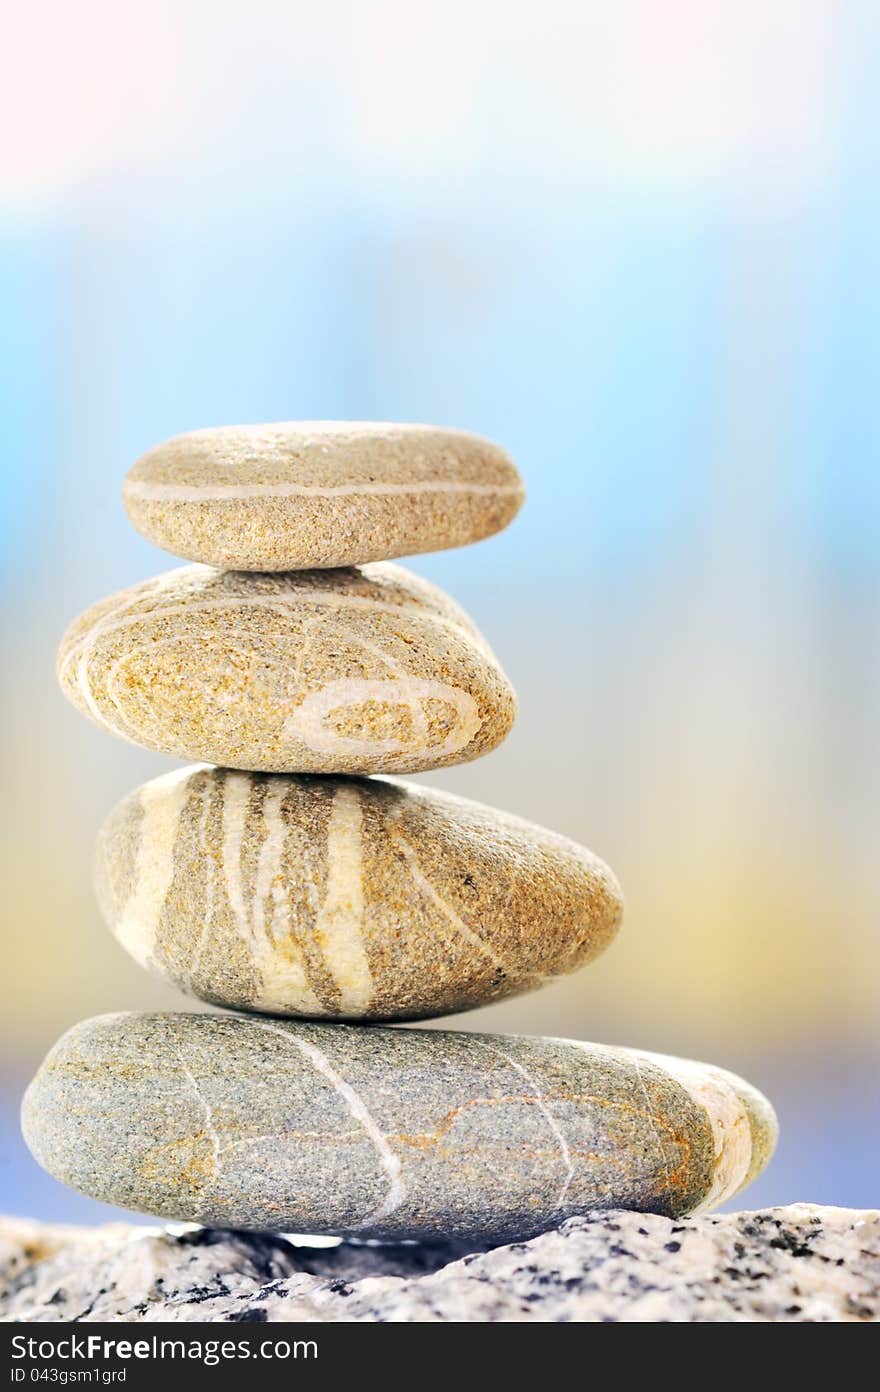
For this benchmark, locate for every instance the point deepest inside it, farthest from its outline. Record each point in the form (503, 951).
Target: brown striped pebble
(342, 671)
(348, 898)
(306, 494)
(240, 1121)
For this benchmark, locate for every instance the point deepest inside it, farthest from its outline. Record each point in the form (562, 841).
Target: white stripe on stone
(207, 1116)
(424, 884)
(236, 797)
(307, 723)
(221, 492)
(161, 801)
(398, 672)
(208, 862)
(81, 650)
(356, 1106)
(340, 922)
(276, 953)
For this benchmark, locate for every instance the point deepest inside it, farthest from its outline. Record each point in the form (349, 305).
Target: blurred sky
(636, 242)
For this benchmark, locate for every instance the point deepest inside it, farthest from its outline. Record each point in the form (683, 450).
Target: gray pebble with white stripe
(243, 1122)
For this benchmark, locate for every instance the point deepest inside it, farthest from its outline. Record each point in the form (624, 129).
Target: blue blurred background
(637, 244)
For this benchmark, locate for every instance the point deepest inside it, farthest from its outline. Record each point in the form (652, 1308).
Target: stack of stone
(280, 878)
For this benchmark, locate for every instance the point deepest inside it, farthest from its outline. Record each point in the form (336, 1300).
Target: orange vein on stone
(548, 1116)
(712, 1090)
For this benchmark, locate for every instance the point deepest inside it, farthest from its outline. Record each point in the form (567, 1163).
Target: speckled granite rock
(236, 1121)
(322, 671)
(787, 1265)
(303, 494)
(352, 898)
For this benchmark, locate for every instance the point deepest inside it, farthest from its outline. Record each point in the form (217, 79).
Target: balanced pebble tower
(279, 878)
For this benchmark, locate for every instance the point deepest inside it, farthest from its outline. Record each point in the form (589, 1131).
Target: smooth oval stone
(353, 898)
(306, 494)
(343, 671)
(241, 1122)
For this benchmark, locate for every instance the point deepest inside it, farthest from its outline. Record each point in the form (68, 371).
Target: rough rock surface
(798, 1264)
(392, 1134)
(350, 898)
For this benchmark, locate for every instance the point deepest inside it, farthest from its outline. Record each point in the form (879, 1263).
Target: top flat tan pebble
(304, 495)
